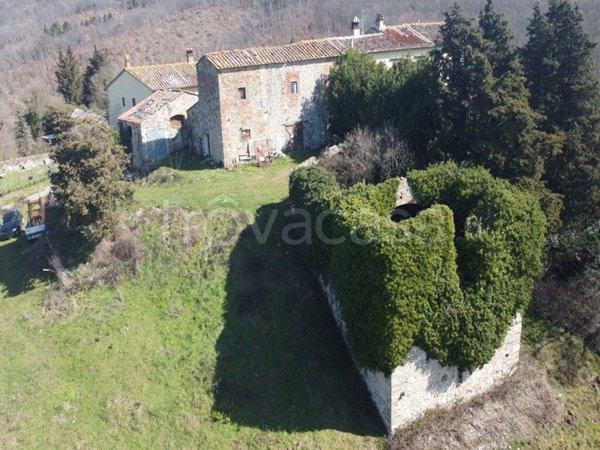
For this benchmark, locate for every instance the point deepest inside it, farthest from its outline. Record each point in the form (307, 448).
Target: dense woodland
(32, 33)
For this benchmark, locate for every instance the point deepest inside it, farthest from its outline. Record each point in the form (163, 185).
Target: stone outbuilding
(269, 99)
(156, 126)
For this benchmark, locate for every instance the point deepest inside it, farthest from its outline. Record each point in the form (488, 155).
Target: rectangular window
(245, 135)
(294, 87)
(133, 102)
(123, 99)
(242, 93)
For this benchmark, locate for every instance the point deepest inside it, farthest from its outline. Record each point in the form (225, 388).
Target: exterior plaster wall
(128, 87)
(389, 58)
(422, 384)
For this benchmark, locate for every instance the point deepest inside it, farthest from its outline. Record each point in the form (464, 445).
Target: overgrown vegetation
(88, 181)
(482, 255)
(370, 157)
(528, 115)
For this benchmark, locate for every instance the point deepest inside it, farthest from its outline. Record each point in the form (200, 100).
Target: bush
(370, 157)
(162, 176)
(449, 280)
(114, 259)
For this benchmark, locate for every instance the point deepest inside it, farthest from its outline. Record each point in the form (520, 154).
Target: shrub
(449, 280)
(370, 156)
(113, 259)
(162, 176)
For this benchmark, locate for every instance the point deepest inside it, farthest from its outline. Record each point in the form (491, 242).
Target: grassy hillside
(217, 342)
(210, 346)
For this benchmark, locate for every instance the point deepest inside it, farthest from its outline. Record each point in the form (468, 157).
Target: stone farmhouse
(268, 99)
(135, 83)
(155, 126)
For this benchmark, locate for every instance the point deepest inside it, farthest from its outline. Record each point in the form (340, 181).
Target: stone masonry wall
(24, 163)
(221, 119)
(271, 110)
(422, 384)
(205, 116)
(158, 124)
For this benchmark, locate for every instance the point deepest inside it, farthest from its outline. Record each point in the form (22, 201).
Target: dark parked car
(12, 222)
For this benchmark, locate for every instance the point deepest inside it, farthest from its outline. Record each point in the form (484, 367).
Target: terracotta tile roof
(166, 76)
(150, 105)
(398, 37)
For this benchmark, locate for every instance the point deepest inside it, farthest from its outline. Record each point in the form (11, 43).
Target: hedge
(449, 280)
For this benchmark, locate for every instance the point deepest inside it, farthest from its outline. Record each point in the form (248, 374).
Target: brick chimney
(355, 26)
(379, 24)
(189, 55)
(127, 60)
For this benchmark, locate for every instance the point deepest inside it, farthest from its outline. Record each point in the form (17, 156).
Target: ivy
(449, 280)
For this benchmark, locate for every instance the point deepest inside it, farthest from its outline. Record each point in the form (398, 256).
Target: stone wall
(205, 116)
(147, 135)
(271, 110)
(24, 163)
(422, 384)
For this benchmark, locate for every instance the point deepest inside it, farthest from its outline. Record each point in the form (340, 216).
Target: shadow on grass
(15, 278)
(282, 364)
(22, 263)
(302, 155)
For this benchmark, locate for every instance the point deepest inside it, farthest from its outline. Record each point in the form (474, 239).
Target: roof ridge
(421, 35)
(158, 65)
(321, 39)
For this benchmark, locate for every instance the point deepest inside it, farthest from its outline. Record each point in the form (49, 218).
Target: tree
(57, 119)
(565, 89)
(68, 77)
(88, 181)
(34, 116)
(22, 136)
(356, 93)
(498, 41)
(485, 115)
(95, 79)
(416, 108)
(466, 94)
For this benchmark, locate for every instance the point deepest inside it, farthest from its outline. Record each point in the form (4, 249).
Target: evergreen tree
(88, 182)
(68, 77)
(499, 46)
(95, 79)
(22, 136)
(416, 108)
(466, 94)
(357, 92)
(486, 117)
(34, 116)
(565, 89)
(57, 120)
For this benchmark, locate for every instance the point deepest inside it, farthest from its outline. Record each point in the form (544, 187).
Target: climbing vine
(449, 280)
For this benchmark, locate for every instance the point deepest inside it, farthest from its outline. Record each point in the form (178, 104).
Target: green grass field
(205, 348)
(14, 186)
(212, 345)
